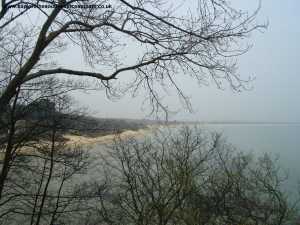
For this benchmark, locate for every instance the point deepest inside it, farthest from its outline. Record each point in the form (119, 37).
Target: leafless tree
(202, 43)
(191, 178)
(26, 121)
(182, 180)
(43, 182)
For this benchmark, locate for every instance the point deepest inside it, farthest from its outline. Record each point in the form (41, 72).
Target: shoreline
(106, 139)
(72, 139)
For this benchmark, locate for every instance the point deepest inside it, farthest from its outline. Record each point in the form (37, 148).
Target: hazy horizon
(272, 61)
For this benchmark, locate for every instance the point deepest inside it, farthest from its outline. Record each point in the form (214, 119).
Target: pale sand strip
(106, 139)
(89, 141)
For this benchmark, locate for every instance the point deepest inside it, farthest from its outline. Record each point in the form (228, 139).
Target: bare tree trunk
(9, 147)
(38, 193)
(53, 218)
(49, 176)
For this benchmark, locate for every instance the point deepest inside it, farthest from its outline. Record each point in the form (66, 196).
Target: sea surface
(282, 140)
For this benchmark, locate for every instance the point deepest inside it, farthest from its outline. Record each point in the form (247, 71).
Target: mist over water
(278, 140)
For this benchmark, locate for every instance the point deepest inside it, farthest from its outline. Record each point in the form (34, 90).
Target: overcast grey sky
(273, 60)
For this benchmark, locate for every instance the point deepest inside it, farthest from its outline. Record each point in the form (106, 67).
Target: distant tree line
(184, 178)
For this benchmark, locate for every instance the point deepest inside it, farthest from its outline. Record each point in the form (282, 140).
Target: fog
(273, 61)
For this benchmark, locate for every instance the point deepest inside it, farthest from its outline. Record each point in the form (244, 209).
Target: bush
(189, 177)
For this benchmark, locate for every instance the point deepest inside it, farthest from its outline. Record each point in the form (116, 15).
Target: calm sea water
(278, 140)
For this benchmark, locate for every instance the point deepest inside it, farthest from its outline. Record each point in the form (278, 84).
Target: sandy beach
(106, 139)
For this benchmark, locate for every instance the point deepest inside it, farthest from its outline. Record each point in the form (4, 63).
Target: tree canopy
(201, 39)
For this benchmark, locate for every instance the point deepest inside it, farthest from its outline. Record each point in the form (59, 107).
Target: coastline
(106, 139)
(72, 139)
